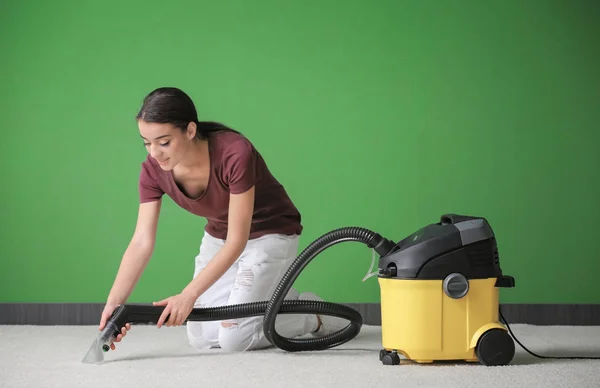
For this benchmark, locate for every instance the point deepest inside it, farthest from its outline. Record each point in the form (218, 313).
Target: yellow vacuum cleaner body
(440, 295)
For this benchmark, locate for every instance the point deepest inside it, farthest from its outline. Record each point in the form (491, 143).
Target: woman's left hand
(178, 307)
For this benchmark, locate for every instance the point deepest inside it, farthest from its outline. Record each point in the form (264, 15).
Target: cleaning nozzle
(101, 343)
(107, 336)
(120, 317)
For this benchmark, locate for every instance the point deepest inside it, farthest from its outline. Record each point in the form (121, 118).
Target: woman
(252, 231)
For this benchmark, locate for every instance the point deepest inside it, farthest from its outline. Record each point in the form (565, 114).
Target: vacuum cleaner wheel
(495, 347)
(389, 358)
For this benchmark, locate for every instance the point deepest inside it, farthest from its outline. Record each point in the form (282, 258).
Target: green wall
(382, 114)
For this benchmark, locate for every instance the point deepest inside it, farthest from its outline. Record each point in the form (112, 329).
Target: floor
(50, 356)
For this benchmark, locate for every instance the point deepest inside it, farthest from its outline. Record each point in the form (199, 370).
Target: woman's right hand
(106, 314)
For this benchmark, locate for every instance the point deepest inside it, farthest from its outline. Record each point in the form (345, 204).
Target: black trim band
(89, 313)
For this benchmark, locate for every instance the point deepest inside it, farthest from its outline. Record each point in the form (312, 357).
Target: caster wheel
(382, 353)
(391, 358)
(495, 348)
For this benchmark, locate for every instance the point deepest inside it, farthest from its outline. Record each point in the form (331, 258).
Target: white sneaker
(329, 324)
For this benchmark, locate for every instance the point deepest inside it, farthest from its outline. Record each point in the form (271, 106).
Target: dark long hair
(169, 105)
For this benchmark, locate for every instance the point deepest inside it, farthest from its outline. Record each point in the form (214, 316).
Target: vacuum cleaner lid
(457, 243)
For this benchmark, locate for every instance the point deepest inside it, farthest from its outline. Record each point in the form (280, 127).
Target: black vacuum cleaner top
(456, 244)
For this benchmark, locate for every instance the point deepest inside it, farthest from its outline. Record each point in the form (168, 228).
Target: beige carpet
(50, 356)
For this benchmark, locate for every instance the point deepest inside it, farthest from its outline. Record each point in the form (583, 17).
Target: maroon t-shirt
(236, 166)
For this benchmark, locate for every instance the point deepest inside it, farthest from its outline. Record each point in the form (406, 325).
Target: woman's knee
(235, 335)
(240, 335)
(200, 343)
(201, 336)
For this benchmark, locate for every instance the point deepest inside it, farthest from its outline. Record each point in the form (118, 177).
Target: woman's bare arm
(137, 254)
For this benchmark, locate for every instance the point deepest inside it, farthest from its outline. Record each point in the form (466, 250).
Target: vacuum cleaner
(439, 298)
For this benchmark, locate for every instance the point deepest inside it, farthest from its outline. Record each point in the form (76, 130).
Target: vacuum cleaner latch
(505, 281)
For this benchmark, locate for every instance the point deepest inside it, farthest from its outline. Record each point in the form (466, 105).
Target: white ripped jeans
(252, 278)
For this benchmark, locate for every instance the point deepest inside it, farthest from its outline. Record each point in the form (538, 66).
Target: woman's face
(166, 143)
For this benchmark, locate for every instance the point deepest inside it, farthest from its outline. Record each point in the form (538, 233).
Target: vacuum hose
(144, 314)
(362, 235)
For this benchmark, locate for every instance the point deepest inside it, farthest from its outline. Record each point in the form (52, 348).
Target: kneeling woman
(251, 235)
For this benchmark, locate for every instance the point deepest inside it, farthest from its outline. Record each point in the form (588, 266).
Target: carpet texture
(50, 356)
